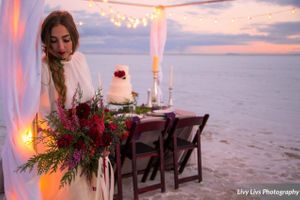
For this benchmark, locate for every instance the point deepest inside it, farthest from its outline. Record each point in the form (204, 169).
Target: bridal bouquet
(75, 138)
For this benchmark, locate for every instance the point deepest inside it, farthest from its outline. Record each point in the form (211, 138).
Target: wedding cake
(120, 90)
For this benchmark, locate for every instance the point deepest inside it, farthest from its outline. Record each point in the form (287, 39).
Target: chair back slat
(190, 121)
(144, 127)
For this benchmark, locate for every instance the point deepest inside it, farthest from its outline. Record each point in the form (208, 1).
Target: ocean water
(260, 91)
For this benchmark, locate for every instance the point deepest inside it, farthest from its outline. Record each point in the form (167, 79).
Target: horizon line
(196, 54)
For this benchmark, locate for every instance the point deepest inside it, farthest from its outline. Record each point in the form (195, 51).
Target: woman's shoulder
(79, 56)
(44, 63)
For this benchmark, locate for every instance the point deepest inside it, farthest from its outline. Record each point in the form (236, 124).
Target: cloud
(100, 35)
(295, 3)
(217, 5)
(279, 33)
(282, 33)
(105, 37)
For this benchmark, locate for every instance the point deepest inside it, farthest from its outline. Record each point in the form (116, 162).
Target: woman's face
(61, 43)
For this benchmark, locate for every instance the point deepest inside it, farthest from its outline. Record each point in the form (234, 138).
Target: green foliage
(75, 138)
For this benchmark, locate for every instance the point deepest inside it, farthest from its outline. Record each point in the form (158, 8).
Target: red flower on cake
(120, 74)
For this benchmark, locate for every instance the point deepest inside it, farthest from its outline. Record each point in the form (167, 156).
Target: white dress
(76, 72)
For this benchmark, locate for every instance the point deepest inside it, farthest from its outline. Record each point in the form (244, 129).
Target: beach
(251, 141)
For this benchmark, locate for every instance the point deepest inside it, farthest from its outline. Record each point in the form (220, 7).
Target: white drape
(158, 37)
(20, 57)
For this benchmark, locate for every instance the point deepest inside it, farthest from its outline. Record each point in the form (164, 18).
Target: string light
(102, 13)
(91, 3)
(144, 21)
(128, 25)
(270, 16)
(293, 11)
(118, 18)
(111, 11)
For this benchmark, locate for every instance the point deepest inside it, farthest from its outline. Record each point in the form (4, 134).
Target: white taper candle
(99, 81)
(171, 77)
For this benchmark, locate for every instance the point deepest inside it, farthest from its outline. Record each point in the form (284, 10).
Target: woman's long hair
(56, 67)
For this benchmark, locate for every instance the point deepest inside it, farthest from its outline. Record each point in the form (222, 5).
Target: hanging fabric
(158, 35)
(20, 55)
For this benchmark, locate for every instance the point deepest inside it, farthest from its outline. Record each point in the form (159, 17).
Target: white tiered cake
(120, 91)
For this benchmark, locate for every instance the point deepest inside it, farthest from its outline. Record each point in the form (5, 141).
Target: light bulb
(293, 10)
(270, 16)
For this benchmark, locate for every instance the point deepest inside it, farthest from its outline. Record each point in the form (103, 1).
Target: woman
(63, 69)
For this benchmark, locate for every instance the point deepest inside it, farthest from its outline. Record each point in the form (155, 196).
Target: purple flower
(75, 159)
(63, 117)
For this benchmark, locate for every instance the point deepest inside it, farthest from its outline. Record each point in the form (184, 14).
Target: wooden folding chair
(176, 144)
(136, 150)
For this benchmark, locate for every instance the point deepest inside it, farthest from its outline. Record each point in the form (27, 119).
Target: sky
(238, 26)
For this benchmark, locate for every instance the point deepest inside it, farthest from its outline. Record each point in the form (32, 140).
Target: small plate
(130, 115)
(162, 111)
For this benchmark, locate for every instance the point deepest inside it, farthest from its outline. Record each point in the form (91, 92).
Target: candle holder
(170, 104)
(149, 100)
(154, 91)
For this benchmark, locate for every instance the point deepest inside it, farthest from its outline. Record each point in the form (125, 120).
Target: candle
(155, 64)
(171, 76)
(99, 81)
(149, 100)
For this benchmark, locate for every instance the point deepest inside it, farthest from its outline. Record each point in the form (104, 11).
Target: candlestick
(155, 64)
(149, 100)
(171, 76)
(154, 92)
(170, 104)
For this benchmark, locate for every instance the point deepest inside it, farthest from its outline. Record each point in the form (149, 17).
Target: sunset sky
(240, 26)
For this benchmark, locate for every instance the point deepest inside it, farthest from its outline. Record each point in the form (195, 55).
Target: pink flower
(67, 123)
